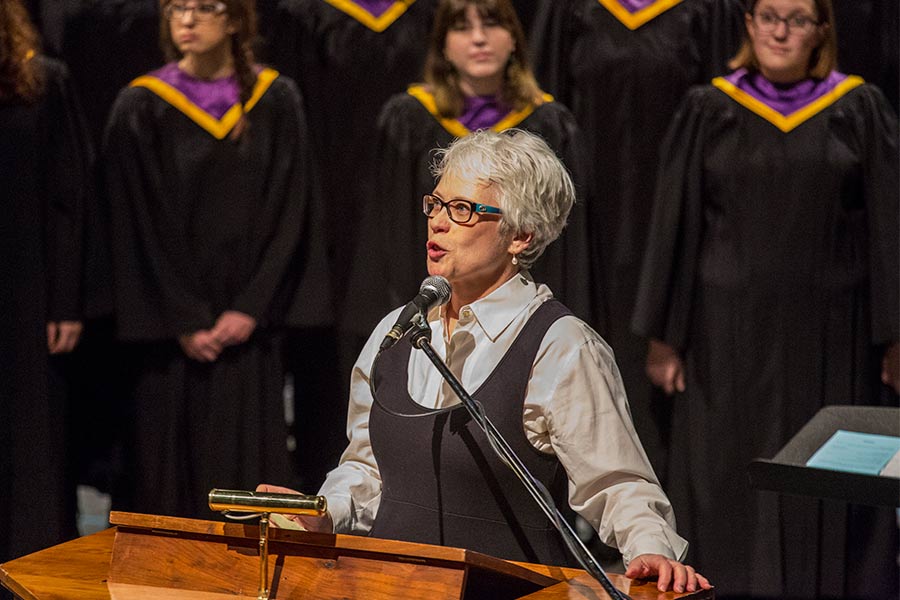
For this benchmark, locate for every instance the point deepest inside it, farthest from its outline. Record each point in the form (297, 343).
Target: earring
(515, 260)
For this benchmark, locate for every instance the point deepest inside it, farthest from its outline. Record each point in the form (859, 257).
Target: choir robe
(105, 44)
(201, 224)
(347, 64)
(868, 35)
(622, 75)
(44, 160)
(773, 269)
(391, 259)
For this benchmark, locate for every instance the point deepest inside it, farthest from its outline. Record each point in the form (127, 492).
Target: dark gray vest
(442, 483)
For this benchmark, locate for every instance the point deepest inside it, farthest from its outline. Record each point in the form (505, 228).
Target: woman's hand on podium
(669, 574)
(323, 524)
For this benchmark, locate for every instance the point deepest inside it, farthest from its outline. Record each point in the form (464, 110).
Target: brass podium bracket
(263, 557)
(252, 504)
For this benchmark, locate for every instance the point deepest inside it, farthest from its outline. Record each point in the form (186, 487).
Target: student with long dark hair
(44, 163)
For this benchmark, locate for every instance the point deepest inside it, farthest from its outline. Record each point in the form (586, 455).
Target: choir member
(348, 57)
(622, 66)
(213, 225)
(45, 155)
(105, 44)
(771, 286)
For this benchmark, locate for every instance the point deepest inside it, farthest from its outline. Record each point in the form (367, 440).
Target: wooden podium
(145, 557)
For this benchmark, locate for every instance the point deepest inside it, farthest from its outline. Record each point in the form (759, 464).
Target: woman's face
(478, 48)
(474, 257)
(784, 34)
(199, 27)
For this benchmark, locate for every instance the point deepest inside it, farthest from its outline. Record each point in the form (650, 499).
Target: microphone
(434, 291)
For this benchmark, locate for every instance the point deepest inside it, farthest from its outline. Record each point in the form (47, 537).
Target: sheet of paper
(892, 468)
(283, 522)
(855, 452)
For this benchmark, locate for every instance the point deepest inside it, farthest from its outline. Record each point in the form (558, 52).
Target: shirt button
(466, 313)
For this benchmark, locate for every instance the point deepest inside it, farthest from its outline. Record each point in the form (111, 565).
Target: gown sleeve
(583, 249)
(390, 259)
(881, 183)
(725, 27)
(291, 236)
(67, 167)
(570, 265)
(669, 272)
(549, 45)
(157, 295)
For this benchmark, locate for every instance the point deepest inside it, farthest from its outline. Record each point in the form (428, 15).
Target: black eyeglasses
(459, 210)
(767, 22)
(205, 11)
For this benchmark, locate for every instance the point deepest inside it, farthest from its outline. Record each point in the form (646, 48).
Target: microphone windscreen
(438, 287)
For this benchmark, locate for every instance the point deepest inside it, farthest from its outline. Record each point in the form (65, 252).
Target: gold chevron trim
(455, 127)
(218, 128)
(634, 20)
(377, 24)
(793, 120)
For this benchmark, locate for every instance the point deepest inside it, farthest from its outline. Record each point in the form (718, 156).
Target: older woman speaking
(418, 469)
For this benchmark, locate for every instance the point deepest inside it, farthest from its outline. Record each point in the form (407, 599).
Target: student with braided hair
(212, 231)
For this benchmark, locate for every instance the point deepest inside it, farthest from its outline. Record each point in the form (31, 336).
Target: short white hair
(534, 188)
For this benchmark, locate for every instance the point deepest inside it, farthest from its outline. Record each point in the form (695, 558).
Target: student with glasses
(418, 469)
(213, 225)
(770, 287)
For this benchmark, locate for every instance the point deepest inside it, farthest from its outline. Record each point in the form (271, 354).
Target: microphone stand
(420, 337)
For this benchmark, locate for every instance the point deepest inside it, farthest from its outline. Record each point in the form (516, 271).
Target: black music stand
(787, 473)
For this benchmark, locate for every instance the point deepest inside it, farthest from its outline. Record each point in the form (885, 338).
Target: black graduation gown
(623, 86)
(44, 158)
(347, 70)
(868, 34)
(347, 65)
(773, 268)
(201, 225)
(267, 20)
(391, 260)
(106, 44)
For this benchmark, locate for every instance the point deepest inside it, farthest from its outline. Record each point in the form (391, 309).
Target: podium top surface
(80, 569)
